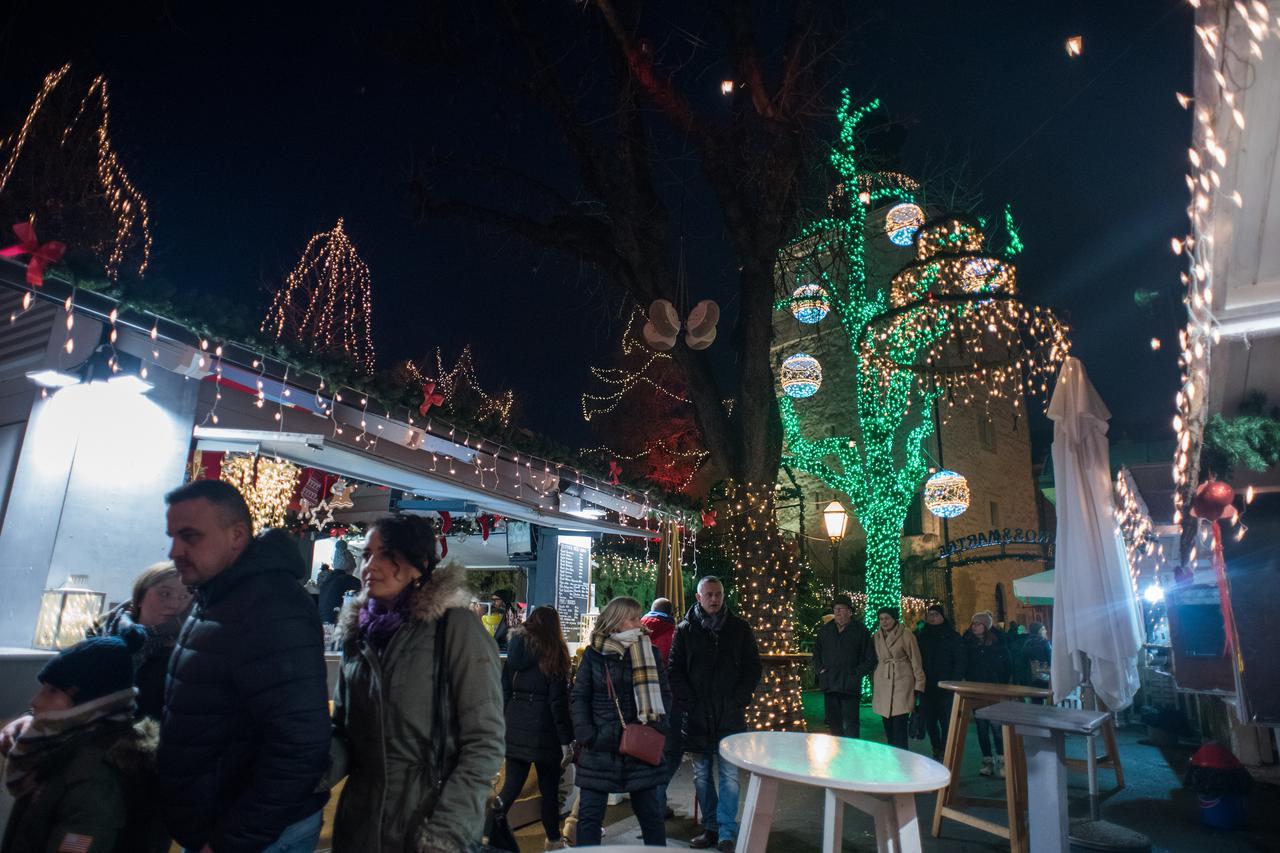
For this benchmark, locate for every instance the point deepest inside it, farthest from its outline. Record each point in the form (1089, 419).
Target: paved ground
(1153, 802)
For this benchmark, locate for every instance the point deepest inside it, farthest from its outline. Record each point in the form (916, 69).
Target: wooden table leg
(1113, 752)
(952, 758)
(908, 836)
(1015, 787)
(757, 814)
(832, 822)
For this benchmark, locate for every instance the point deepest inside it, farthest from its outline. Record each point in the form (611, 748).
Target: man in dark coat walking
(942, 659)
(715, 669)
(336, 584)
(842, 656)
(245, 735)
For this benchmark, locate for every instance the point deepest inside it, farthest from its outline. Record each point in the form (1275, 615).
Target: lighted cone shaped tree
(947, 330)
(326, 303)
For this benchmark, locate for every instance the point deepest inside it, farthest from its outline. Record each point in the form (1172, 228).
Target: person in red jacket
(661, 625)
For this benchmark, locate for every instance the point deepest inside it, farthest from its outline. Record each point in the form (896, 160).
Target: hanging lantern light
(801, 376)
(946, 494)
(902, 221)
(66, 613)
(810, 303)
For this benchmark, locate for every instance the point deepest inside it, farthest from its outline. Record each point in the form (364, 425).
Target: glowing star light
(902, 221)
(946, 494)
(1075, 45)
(801, 376)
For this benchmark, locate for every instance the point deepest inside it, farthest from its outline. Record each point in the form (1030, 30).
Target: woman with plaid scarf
(620, 655)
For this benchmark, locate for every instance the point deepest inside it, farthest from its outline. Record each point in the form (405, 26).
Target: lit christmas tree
(946, 330)
(326, 303)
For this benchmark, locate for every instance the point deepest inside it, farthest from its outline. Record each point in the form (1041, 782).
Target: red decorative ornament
(1214, 501)
(615, 470)
(41, 255)
(430, 397)
(486, 522)
(446, 522)
(444, 547)
(708, 518)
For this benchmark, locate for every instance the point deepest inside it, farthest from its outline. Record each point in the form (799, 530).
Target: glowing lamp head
(902, 222)
(1153, 594)
(946, 494)
(836, 521)
(801, 376)
(809, 303)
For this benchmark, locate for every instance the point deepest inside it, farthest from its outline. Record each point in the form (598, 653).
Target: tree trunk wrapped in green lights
(946, 328)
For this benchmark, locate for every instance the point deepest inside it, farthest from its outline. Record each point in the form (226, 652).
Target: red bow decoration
(614, 471)
(430, 397)
(708, 518)
(486, 523)
(41, 256)
(446, 522)
(1214, 500)
(444, 547)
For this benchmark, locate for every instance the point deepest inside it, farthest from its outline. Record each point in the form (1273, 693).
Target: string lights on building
(326, 303)
(266, 484)
(125, 204)
(461, 378)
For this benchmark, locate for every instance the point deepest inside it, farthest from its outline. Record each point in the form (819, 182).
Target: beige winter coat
(898, 672)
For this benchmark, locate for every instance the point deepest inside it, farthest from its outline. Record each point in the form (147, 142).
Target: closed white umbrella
(1095, 610)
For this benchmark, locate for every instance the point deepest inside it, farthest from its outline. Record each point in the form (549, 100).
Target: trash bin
(1220, 782)
(1224, 811)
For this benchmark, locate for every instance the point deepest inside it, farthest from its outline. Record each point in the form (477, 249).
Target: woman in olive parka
(385, 704)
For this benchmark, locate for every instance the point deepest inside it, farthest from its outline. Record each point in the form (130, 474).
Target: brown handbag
(640, 741)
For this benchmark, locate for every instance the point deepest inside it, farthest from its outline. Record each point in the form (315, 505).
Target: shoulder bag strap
(443, 709)
(622, 721)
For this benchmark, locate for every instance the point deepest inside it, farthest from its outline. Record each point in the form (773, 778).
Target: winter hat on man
(937, 608)
(983, 616)
(842, 599)
(95, 667)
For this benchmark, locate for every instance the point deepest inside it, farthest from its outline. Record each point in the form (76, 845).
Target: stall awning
(1035, 589)
(317, 451)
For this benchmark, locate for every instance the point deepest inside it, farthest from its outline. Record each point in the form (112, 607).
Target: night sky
(248, 132)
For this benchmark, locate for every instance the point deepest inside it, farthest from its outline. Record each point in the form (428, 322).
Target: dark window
(995, 514)
(914, 524)
(986, 432)
(1000, 608)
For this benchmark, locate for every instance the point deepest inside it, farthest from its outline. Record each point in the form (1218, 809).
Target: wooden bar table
(969, 697)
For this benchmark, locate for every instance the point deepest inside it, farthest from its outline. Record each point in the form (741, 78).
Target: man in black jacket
(245, 735)
(715, 669)
(942, 659)
(842, 656)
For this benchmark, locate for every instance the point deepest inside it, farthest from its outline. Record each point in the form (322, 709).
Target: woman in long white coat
(899, 678)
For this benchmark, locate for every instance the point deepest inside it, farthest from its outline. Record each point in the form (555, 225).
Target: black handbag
(497, 832)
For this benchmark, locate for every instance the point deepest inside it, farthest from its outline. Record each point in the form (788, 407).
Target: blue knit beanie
(95, 667)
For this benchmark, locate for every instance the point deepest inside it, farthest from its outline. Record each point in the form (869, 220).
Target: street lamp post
(836, 520)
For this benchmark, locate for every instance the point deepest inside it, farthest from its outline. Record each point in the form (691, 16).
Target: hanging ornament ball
(902, 221)
(984, 274)
(946, 494)
(1213, 501)
(801, 376)
(809, 303)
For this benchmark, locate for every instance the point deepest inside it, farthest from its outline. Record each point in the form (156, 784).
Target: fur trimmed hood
(446, 588)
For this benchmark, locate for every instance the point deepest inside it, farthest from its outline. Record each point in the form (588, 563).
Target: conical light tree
(326, 303)
(948, 329)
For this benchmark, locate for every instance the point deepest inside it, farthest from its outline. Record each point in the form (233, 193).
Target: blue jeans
(720, 811)
(646, 805)
(300, 837)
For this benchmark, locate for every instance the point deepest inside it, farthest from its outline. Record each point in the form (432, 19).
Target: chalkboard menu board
(573, 584)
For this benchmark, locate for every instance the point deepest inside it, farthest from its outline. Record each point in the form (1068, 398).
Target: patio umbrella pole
(1093, 833)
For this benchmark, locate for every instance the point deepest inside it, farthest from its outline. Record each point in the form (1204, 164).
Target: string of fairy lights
(462, 376)
(326, 302)
(621, 380)
(267, 486)
(126, 204)
(1232, 36)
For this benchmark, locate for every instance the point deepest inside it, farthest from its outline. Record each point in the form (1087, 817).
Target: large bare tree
(752, 158)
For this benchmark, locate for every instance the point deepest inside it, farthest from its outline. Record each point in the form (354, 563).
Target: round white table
(873, 778)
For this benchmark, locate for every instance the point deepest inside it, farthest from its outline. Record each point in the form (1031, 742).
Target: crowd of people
(906, 671)
(199, 711)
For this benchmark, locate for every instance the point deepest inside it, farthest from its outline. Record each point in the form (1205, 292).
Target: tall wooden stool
(970, 696)
(1110, 761)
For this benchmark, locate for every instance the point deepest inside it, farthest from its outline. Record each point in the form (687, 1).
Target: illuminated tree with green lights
(948, 325)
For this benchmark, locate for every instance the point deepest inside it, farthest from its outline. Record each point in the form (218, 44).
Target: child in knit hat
(81, 774)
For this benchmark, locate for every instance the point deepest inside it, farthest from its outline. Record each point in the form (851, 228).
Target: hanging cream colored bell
(663, 326)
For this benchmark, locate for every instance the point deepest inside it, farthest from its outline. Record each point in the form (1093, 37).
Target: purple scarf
(379, 622)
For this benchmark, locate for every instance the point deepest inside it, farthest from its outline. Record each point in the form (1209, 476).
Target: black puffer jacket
(941, 654)
(595, 724)
(537, 707)
(713, 675)
(986, 662)
(245, 735)
(841, 659)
